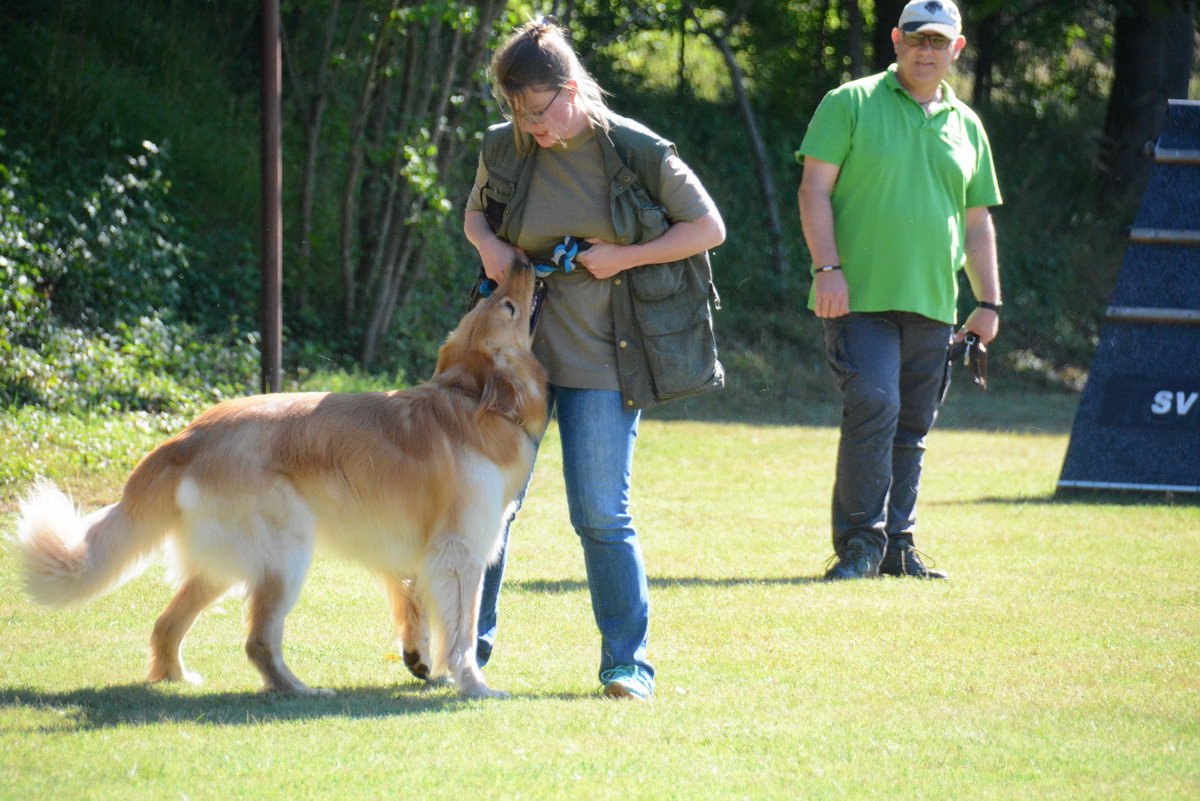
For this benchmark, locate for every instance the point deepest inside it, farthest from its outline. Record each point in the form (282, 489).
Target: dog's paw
(299, 688)
(482, 691)
(160, 676)
(416, 666)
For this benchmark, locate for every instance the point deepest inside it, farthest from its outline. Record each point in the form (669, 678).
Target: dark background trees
(384, 104)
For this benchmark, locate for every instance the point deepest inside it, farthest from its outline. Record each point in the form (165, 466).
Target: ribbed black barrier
(1138, 422)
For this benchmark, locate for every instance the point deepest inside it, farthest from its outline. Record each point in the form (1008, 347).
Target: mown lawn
(1061, 661)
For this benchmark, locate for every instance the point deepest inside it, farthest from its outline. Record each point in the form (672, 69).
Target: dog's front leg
(455, 577)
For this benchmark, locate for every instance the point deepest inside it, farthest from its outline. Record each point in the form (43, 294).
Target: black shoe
(905, 560)
(856, 561)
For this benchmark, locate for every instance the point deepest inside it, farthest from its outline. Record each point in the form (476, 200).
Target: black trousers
(891, 369)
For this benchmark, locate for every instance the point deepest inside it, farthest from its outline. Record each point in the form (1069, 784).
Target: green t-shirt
(900, 201)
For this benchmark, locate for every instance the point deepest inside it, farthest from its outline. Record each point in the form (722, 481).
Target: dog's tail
(69, 559)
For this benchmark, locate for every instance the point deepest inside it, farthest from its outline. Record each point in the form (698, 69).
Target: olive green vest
(661, 312)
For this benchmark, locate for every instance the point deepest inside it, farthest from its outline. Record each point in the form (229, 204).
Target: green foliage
(1059, 255)
(90, 281)
(82, 449)
(112, 252)
(147, 365)
(353, 380)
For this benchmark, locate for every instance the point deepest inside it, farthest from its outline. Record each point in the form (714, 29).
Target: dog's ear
(511, 386)
(449, 354)
(442, 359)
(500, 392)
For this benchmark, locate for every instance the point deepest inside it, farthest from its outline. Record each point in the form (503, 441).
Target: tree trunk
(1154, 42)
(762, 163)
(854, 39)
(426, 67)
(350, 188)
(887, 14)
(316, 100)
(681, 78)
(987, 42)
(396, 267)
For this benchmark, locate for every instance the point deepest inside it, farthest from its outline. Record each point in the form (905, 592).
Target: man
(898, 178)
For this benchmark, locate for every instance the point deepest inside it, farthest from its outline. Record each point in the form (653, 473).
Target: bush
(90, 284)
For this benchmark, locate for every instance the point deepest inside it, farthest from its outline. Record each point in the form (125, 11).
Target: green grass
(1059, 662)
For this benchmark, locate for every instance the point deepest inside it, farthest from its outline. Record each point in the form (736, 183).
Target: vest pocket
(677, 338)
(636, 217)
(658, 281)
(495, 196)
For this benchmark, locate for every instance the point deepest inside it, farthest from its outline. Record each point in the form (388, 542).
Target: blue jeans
(892, 371)
(598, 437)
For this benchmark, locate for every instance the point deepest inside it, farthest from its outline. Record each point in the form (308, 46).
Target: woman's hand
(681, 240)
(494, 252)
(603, 259)
(497, 255)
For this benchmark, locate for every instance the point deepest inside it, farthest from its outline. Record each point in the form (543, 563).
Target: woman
(629, 326)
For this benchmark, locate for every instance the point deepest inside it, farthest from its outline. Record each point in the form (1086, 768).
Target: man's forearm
(816, 220)
(983, 267)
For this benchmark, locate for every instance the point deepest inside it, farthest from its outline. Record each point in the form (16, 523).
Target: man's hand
(831, 295)
(983, 322)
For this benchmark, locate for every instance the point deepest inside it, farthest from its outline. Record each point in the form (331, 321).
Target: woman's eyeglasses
(934, 40)
(530, 117)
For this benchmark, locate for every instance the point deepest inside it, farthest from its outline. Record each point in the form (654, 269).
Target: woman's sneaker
(627, 681)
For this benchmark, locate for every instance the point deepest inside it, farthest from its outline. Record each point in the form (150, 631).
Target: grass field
(1061, 661)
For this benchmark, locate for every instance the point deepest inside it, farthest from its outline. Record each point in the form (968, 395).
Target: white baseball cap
(932, 16)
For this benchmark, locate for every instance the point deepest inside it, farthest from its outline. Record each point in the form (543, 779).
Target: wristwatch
(983, 304)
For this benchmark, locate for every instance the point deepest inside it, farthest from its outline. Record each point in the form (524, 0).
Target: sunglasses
(934, 40)
(974, 355)
(530, 117)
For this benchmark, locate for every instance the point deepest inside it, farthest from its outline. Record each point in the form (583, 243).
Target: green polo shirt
(900, 201)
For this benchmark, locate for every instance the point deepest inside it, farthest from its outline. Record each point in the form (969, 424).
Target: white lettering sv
(1183, 403)
(1185, 406)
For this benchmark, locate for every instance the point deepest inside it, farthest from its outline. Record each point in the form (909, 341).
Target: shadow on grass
(147, 705)
(1072, 497)
(1015, 409)
(554, 587)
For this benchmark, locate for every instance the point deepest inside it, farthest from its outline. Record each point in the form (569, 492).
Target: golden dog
(414, 484)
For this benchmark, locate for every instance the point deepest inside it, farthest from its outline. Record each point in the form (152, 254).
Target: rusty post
(272, 207)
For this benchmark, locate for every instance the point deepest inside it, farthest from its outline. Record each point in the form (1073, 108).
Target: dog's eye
(511, 308)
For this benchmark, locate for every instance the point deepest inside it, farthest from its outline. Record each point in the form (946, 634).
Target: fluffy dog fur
(413, 484)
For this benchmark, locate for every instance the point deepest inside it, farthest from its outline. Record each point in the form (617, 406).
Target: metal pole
(272, 207)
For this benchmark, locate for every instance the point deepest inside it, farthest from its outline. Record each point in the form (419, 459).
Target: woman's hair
(539, 56)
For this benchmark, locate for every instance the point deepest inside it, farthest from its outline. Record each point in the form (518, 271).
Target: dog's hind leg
(166, 643)
(412, 634)
(455, 579)
(272, 596)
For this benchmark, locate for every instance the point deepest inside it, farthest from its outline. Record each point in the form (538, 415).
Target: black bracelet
(983, 304)
(826, 268)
